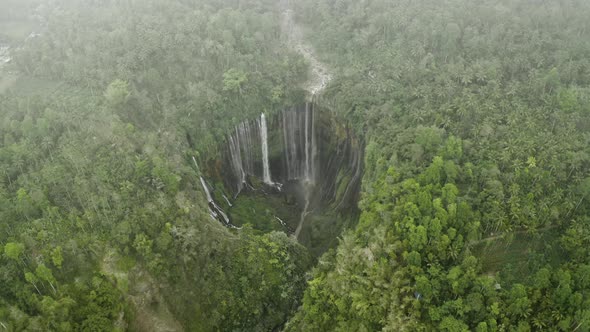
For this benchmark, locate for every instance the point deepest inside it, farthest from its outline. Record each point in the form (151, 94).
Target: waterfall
(215, 210)
(236, 160)
(227, 201)
(307, 165)
(299, 139)
(305, 211)
(264, 139)
(247, 139)
(209, 199)
(296, 127)
(293, 143)
(286, 145)
(296, 141)
(314, 149)
(310, 143)
(281, 221)
(320, 165)
(223, 215)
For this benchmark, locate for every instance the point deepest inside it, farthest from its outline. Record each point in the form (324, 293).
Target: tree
(452, 324)
(117, 93)
(233, 80)
(44, 273)
(32, 279)
(56, 257)
(14, 250)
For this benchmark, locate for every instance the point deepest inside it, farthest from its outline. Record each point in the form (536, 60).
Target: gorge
(296, 169)
(302, 163)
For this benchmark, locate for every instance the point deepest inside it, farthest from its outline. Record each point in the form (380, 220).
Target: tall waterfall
(206, 189)
(244, 137)
(308, 143)
(236, 159)
(264, 138)
(241, 143)
(300, 143)
(249, 150)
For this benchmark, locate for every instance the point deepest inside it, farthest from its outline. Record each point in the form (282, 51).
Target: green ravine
(429, 165)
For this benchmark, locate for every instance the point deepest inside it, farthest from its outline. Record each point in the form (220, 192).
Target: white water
(264, 138)
(304, 213)
(297, 129)
(209, 199)
(227, 201)
(214, 210)
(281, 221)
(236, 159)
(314, 147)
(320, 77)
(247, 142)
(317, 82)
(299, 139)
(223, 215)
(307, 164)
(310, 143)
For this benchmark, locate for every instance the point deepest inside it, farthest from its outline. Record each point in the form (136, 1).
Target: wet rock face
(304, 144)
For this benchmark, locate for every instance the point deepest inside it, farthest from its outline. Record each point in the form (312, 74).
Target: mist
(310, 165)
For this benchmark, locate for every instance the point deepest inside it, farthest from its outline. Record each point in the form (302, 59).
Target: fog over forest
(295, 165)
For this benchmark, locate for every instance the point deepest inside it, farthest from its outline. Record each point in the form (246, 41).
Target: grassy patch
(516, 255)
(262, 210)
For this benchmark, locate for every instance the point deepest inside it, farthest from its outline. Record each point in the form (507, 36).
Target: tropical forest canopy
(471, 117)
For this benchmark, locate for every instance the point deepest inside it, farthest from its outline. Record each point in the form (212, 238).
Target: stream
(320, 77)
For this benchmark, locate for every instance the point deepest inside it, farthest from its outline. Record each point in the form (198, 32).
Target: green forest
(281, 165)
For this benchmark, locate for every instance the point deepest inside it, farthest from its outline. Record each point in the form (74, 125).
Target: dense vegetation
(99, 201)
(476, 120)
(477, 114)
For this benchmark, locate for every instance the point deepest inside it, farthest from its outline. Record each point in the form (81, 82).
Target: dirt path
(319, 76)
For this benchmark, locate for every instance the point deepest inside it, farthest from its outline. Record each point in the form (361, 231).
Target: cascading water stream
(236, 160)
(309, 181)
(209, 199)
(303, 215)
(227, 201)
(264, 138)
(314, 147)
(307, 165)
(214, 210)
(213, 207)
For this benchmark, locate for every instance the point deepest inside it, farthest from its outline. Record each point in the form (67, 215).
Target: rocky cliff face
(309, 156)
